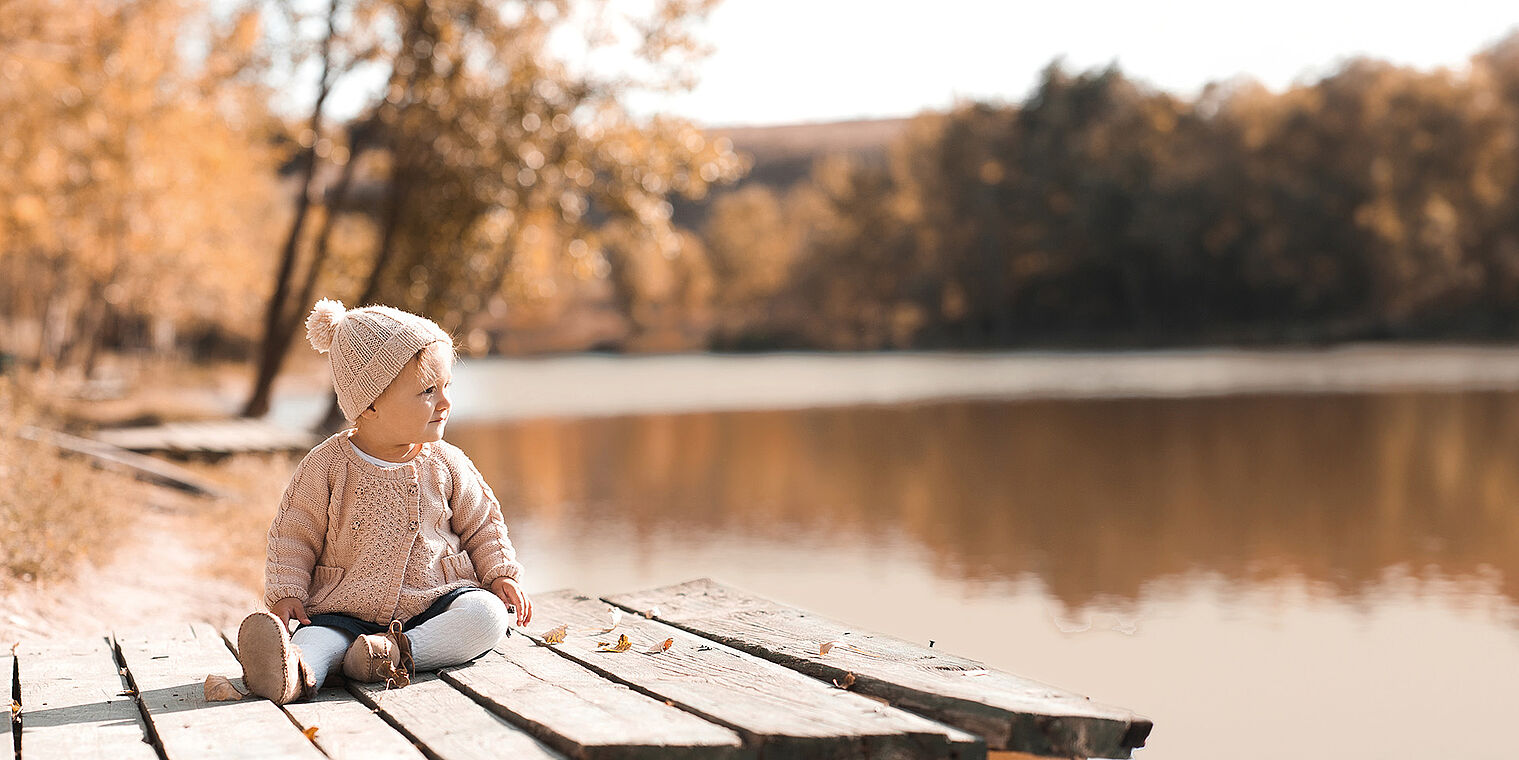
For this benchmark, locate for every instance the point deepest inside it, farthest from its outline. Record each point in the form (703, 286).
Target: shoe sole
(264, 650)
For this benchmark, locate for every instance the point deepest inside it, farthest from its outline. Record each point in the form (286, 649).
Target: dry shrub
(237, 526)
(55, 508)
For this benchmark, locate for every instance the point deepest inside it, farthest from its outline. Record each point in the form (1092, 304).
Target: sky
(793, 61)
(789, 61)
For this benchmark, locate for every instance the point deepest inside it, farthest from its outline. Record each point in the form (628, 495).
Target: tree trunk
(279, 324)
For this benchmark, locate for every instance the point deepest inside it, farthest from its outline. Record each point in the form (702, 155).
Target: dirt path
(157, 574)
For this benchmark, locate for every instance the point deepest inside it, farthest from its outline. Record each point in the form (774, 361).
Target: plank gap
(15, 719)
(151, 731)
(374, 707)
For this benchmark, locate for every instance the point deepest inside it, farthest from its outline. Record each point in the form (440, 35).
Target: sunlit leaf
(310, 733)
(661, 646)
(652, 612)
(826, 646)
(556, 636)
(622, 645)
(221, 689)
(845, 682)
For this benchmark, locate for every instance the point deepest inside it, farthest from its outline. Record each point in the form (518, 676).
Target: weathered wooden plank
(110, 457)
(777, 711)
(448, 724)
(168, 667)
(345, 727)
(216, 436)
(583, 714)
(1010, 712)
(76, 704)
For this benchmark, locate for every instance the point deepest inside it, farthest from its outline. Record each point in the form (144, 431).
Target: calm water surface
(1265, 577)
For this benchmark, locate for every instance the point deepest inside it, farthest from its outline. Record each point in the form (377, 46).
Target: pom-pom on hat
(367, 347)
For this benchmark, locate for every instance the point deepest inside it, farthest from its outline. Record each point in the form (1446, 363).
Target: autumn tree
(1377, 201)
(134, 170)
(494, 146)
(751, 241)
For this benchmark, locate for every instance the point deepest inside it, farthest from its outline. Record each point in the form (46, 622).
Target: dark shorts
(359, 627)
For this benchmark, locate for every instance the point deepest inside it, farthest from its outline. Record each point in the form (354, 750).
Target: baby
(388, 548)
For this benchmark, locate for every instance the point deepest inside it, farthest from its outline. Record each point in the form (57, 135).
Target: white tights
(471, 624)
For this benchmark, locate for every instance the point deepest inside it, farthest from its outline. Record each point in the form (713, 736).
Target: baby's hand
(515, 598)
(288, 608)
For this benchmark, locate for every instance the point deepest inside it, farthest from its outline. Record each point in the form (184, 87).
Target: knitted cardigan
(382, 544)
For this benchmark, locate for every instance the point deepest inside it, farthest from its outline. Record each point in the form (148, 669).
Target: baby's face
(415, 406)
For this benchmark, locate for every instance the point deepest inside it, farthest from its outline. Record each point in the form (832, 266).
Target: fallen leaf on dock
(616, 618)
(827, 645)
(845, 682)
(652, 612)
(15, 708)
(310, 733)
(622, 645)
(661, 646)
(556, 636)
(221, 689)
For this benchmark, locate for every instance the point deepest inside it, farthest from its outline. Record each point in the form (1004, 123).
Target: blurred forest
(1378, 202)
(154, 199)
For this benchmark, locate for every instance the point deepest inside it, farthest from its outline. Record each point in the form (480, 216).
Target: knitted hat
(367, 347)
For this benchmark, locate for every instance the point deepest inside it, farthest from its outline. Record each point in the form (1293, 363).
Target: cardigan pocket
(324, 581)
(458, 567)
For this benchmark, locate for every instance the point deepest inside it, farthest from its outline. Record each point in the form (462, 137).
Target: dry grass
(55, 509)
(235, 528)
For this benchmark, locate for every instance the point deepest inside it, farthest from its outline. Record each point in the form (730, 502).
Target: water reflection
(1096, 499)
(1278, 576)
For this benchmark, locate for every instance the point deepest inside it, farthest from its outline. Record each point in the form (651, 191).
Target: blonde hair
(434, 358)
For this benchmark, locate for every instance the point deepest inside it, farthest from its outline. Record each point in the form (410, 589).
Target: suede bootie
(380, 657)
(272, 666)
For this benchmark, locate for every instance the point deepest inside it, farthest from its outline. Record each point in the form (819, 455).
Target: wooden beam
(583, 714)
(1010, 712)
(777, 711)
(108, 457)
(168, 666)
(448, 724)
(213, 436)
(76, 704)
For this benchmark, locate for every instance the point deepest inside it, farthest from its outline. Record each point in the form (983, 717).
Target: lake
(1326, 575)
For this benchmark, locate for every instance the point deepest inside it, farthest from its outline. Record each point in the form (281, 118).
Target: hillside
(783, 155)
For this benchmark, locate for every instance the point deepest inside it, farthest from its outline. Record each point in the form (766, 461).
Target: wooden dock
(213, 437)
(743, 677)
(140, 466)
